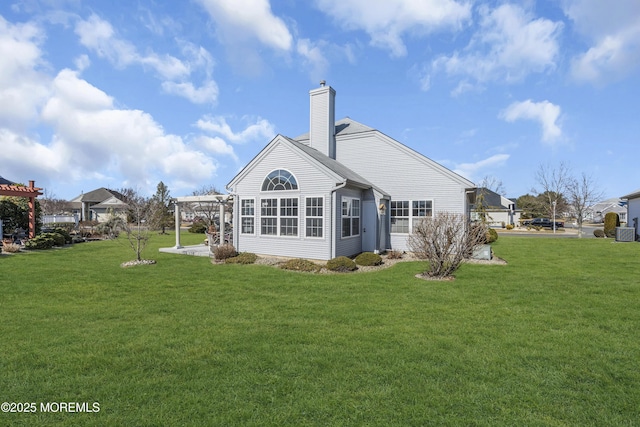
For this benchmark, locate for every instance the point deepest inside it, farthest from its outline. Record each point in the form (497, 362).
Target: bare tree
(582, 193)
(445, 240)
(554, 183)
(135, 227)
(492, 183)
(51, 205)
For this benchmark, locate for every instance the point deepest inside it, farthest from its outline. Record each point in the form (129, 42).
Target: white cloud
(215, 145)
(546, 113)
(509, 44)
(197, 95)
(99, 36)
(240, 20)
(259, 131)
(23, 88)
(386, 22)
(91, 134)
(313, 58)
(615, 36)
(471, 170)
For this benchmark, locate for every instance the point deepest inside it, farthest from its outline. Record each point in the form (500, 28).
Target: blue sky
(132, 92)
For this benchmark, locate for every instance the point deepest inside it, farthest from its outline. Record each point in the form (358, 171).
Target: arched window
(279, 180)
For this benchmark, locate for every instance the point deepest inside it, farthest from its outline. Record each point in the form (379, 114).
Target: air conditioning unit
(625, 234)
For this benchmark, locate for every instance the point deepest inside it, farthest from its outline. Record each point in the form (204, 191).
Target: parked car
(542, 222)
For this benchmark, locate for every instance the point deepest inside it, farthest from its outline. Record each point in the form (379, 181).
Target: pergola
(30, 192)
(219, 199)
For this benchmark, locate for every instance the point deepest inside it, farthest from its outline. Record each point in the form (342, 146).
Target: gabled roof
(335, 166)
(4, 181)
(98, 195)
(343, 173)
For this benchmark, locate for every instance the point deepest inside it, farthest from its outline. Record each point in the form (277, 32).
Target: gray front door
(369, 226)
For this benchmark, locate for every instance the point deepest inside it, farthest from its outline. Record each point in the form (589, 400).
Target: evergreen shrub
(598, 233)
(198, 228)
(492, 235)
(341, 264)
(366, 259)
(611, 221)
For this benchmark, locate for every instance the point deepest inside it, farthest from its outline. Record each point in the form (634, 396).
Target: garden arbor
(30, 192)
(209, 200)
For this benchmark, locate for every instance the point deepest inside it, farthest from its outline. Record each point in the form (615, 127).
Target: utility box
(482, 252)
(625, 234)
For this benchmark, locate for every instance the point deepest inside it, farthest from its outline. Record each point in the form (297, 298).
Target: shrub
(445, 240)
(341, 264)
(242, 258)
(198, 228)
(492, 235)
(300, 264)
(58, 239)
(611, 221)
(394, 254)
(598, 233)
(509, 227)
(43, 241)
(368, 259)
(224, 252)
(11, 248)
(64, 233)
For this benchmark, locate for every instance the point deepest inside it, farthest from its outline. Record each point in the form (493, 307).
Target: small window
(279, 180)
(421, 209)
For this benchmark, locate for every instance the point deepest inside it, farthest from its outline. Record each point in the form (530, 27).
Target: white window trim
(323, 217)
(254, 216)
(279, 216)
(411, 216)
(350, 199)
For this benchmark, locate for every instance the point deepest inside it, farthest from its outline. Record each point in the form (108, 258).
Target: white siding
(311, 183)
(402, 173)
(633, 209)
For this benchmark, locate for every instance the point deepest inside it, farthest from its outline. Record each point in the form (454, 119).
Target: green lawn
(552, 338)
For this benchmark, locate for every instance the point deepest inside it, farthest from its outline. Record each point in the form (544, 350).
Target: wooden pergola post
(30, 192)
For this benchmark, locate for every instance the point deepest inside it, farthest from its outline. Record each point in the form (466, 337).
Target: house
(599, 210)
(98, 205)
(633, 209)
(341, 189)
(499, 210)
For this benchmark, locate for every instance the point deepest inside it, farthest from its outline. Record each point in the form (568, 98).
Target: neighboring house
(97, 205)
(499, 210)
(633, 209)
(597, 212)
(341, 189)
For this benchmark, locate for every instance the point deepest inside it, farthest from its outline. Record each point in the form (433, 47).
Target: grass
(550, 339)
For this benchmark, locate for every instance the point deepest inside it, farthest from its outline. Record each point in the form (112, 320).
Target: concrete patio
(194, 250)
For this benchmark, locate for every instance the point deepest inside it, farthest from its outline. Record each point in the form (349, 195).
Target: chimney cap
(322, 83)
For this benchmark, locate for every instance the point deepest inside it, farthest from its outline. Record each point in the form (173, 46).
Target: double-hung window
(313, 216)
(350, 217)
(399, 216)
(405, 214)
(289, 217)
(269, 217)
(247, 216)
(421, 209)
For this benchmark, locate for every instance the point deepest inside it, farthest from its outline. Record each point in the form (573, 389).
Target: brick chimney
(322, 116)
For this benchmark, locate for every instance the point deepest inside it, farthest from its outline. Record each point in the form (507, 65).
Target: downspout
(235, 234)
(332, 249)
